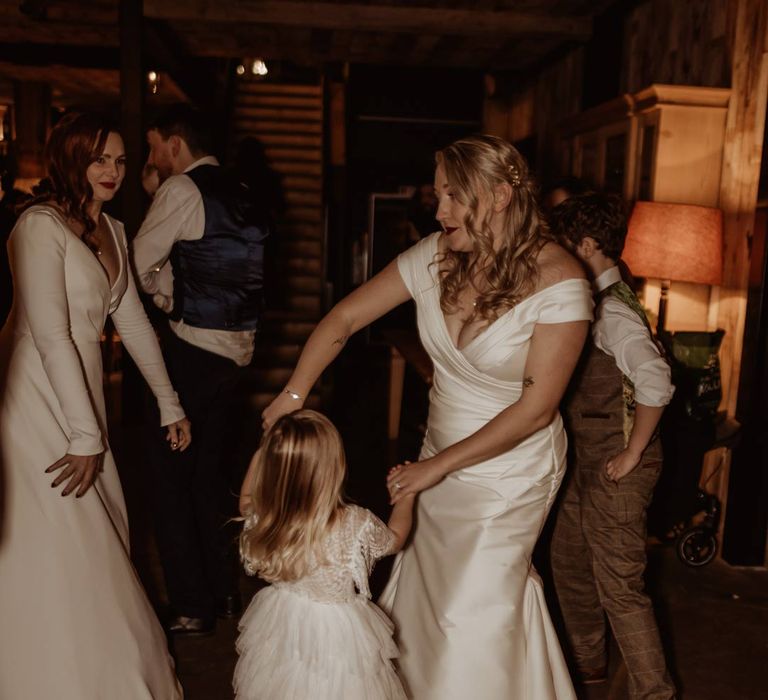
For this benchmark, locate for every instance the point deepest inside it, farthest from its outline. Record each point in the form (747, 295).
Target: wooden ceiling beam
(375, 18)
(357, 51)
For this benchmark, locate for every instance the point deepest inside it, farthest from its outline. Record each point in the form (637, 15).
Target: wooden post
(740, 176)
(745, 529)
(131, 111)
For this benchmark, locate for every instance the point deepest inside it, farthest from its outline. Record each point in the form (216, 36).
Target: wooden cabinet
(663, 144)
(600, 145)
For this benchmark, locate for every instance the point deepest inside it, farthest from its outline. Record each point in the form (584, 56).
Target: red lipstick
(108, 185)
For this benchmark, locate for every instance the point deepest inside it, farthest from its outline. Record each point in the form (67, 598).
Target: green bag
(696, 370)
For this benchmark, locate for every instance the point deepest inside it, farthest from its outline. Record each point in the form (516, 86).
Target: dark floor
(714, 619)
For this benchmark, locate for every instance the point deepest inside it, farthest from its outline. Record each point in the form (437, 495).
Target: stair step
(303, 214)
(245, 120)
(300, 230)
(302, 249)
(262, 88)
(308, 303)
(302, 266)
(288, 330)
(297, 197)
(299, 183)
(284, 167)
(311, 155)
(280, 101)
(293, 140)
(281, 113)
(301, 284)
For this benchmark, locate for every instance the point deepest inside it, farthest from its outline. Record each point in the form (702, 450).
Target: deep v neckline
(487, 329)
(118, 253)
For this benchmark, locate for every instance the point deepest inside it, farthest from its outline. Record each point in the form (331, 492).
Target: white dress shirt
(619, 332)
(177, 213)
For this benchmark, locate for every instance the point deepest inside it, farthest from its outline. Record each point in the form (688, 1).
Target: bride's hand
(406, 479)
(81, 470)
(282, 403)
(179, 434)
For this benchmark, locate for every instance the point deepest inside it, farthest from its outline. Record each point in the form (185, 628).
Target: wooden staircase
(288, 120)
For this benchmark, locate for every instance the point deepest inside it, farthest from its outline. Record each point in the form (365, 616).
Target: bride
(503, 312)
(76, 623)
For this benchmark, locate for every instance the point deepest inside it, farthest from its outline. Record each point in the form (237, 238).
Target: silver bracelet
(293, 395)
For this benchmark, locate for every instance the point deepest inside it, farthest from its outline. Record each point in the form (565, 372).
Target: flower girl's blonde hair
(296, 496)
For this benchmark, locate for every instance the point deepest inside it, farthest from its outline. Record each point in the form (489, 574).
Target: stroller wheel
(697, 546)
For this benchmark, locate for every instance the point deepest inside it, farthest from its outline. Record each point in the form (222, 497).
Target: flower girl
(314, 633)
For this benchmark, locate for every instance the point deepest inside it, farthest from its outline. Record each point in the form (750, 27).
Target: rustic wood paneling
(537, 108)
(742, 154)
(681, 43)
(361, 17)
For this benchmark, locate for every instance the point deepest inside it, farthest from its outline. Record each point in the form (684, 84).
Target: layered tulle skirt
(293, 647)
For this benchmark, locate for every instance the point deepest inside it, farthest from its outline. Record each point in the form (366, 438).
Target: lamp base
(662, 317)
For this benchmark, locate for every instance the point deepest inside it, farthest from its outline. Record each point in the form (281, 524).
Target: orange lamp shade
(677, 242)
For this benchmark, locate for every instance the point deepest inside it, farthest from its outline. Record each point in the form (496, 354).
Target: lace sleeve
(372, 540)
(376, 539)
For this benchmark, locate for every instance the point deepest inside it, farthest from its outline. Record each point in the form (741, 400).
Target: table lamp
(674, 243)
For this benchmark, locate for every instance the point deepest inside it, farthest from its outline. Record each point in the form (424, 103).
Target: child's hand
(622, 464)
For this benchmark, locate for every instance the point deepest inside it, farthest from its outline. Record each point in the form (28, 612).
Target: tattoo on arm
(528, 381)
(340, 340)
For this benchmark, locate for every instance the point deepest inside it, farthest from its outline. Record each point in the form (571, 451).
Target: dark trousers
(193, 497)
(598, 559)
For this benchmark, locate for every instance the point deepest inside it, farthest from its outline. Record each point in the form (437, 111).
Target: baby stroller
(697, 544)
(690, 428)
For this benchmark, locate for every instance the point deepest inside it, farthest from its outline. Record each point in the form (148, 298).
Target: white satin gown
(468, 606)
(75, 623)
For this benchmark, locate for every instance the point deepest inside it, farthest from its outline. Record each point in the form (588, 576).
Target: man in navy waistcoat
(200, 255)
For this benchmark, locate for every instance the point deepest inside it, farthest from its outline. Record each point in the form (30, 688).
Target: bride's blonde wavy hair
(474, 168)
(296, 496)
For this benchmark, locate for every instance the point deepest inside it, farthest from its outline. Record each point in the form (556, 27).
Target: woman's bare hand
(81, 470)
(282, 403)
(412, 478)
(180, 434)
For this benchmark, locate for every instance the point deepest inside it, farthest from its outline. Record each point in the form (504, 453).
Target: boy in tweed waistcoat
(615, 401)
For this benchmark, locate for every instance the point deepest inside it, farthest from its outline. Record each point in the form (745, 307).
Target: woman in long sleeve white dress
(76, 623)
(503, 312)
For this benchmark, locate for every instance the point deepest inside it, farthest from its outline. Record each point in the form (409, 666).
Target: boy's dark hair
(188, 123)
(602, 217)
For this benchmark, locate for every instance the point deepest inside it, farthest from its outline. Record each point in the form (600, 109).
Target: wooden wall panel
(674, 42)
(742, 153)
(537, 109)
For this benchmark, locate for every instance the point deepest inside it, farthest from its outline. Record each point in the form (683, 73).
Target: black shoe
(229, 606)
(190, 626)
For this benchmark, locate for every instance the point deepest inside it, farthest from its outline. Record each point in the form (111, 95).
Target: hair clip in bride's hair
(514, 174)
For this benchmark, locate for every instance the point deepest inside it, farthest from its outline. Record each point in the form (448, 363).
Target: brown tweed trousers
(599, 543)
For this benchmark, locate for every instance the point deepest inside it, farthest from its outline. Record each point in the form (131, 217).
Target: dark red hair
(74, 143)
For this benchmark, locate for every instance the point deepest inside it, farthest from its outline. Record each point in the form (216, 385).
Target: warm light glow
(153, 78)
(259, 67)
(676, 242)
(240, 70)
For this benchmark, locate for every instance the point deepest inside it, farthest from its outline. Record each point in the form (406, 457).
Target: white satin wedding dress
(468, 606)
(75, 623)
